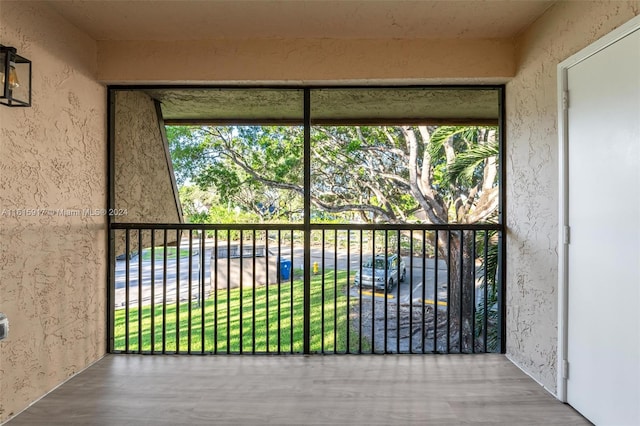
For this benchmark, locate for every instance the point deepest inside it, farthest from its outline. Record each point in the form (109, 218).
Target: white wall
(532, 176)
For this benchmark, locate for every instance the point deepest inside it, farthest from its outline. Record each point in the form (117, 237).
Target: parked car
(376, 266)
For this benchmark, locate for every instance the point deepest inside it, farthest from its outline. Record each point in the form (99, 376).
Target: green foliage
(468, 164)
(221, 214)
(227, 182)
(188, 151)
(361, 170)
(407, 203)
(226, 161)
(462, 136)
(196, 203)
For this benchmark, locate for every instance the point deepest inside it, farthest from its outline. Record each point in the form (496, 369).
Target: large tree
(388, 174)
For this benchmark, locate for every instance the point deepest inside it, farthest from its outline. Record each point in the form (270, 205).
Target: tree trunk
(458, 254)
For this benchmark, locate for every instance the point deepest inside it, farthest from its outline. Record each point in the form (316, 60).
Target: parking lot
(418, 285)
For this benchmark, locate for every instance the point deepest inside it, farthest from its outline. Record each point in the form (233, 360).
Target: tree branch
(435, 212)
(300, 190)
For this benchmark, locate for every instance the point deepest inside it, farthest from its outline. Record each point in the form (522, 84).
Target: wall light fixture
(15, 78)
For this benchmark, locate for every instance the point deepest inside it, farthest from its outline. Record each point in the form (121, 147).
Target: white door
(603, 255)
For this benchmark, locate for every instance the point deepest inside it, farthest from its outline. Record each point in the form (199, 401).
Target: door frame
(563, 228)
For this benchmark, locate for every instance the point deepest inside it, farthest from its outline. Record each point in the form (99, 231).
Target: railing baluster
(335, 291)
(214, 274)
(473, 281)
(499, 283)
(241, 289)
(485, 319)
(373, 292)
(461, 284)
(178, 298)
(140, 290)
(322, 290)
(386, 289)
(423, 320)
(410, 291)
(190, 292)
(267, 290)
(153, 291)
(291, 295)
(435, 292)
(360, 297)
(253, 297)
(348, 347)
(449, 291)
(279, 273)
(127, 269)
(398, 335)
(201, 291)
(228, 290)
(164, 292)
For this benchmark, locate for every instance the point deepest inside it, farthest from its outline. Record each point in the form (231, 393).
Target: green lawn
(158, 253)
(232, 310)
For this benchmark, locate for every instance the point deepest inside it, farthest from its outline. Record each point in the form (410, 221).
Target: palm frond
(440, 135)
(466, 163)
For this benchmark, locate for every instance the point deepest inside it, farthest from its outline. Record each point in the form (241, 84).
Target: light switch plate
(4, 326)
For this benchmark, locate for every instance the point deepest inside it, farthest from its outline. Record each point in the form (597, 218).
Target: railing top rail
(313, 226)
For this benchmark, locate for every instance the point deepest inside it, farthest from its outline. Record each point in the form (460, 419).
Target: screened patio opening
(306, 220)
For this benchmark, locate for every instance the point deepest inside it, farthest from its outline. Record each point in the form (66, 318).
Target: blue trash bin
(285, 269)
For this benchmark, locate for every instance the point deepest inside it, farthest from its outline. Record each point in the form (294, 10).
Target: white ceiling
(362, 19)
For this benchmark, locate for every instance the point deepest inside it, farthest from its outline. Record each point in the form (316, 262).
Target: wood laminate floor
(300, 390)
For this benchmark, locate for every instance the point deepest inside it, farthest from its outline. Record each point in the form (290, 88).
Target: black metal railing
(193, 288)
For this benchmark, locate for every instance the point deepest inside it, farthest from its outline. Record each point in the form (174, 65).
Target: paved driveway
(417, 286)
(161, 275)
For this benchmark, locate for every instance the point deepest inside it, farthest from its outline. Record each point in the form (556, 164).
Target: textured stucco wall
(307, 60)
(142, 177)
(144, 185)
(532, 176)
(52, 158)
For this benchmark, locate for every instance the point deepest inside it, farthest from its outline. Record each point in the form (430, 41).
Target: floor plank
(300, 390)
